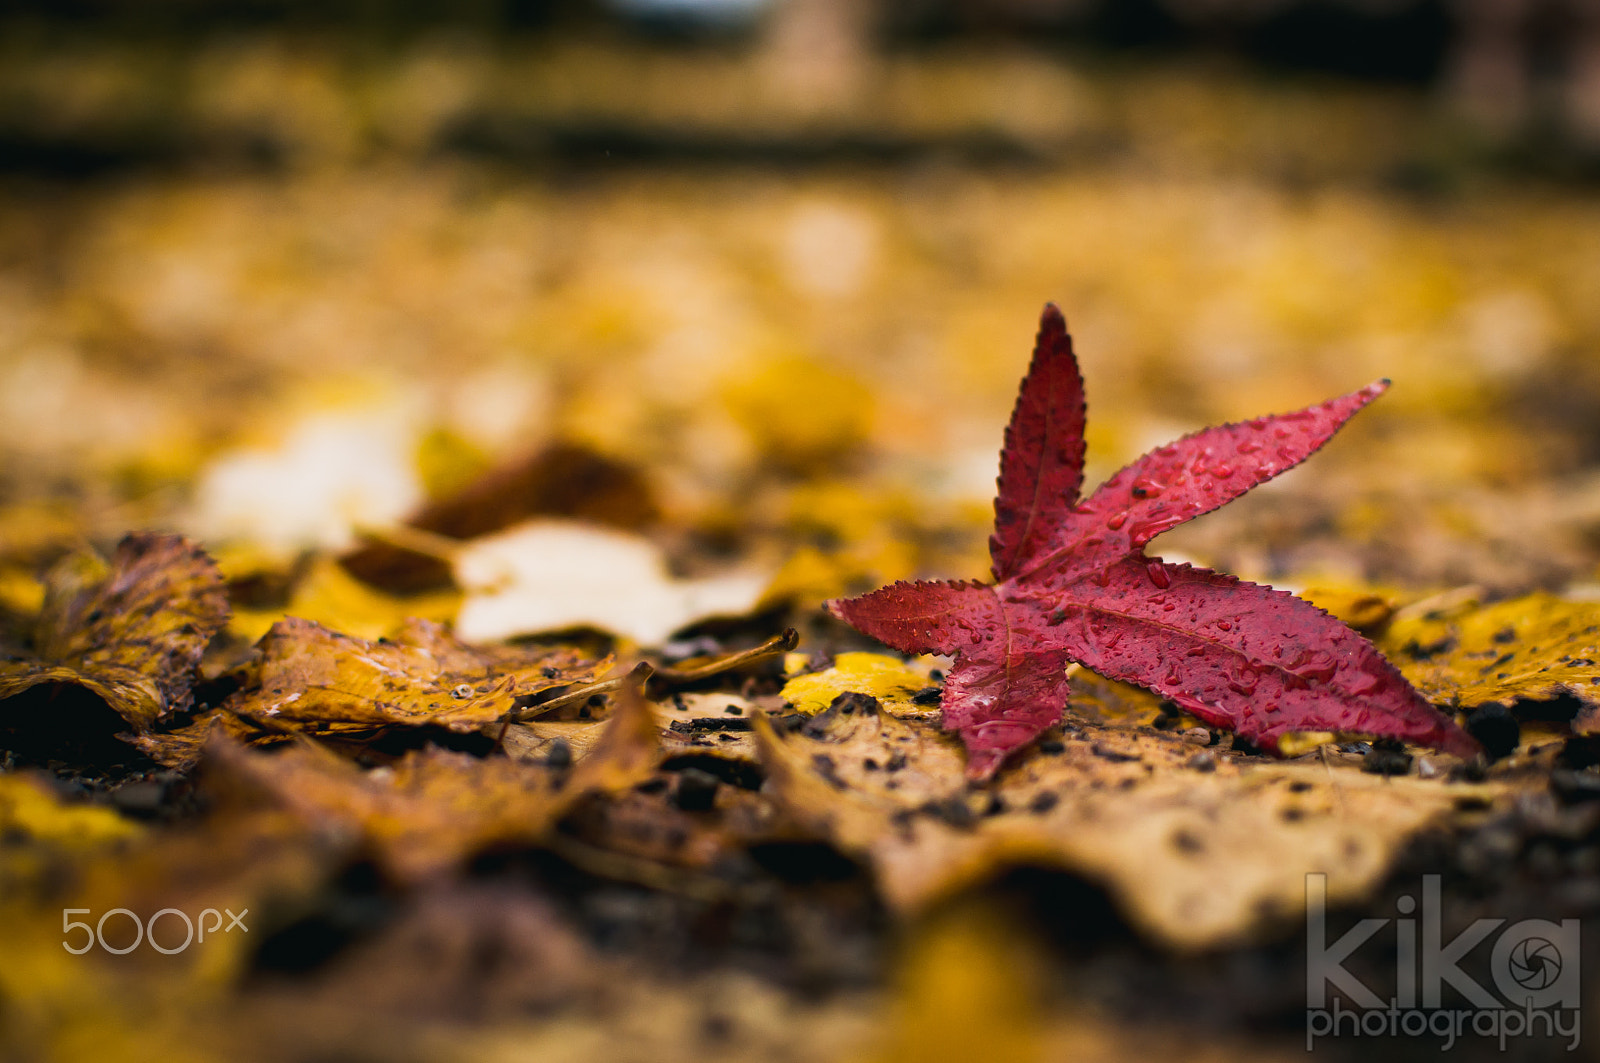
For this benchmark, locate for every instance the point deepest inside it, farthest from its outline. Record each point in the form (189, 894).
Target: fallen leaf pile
(308, 679)
(425, 758)
(421, 494)
(433, 808)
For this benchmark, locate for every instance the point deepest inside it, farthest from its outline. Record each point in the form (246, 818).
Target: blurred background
(759, 277)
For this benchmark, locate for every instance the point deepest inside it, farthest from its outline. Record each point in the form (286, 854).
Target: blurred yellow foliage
(966, 989)
(31, 809)
(801, 414)
(328, 594)
(1363, 608)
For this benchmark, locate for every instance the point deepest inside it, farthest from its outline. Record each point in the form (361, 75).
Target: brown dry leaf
(183, 747)
(1195, 858)
(665, 1020)
(130, 630)
(433, 808)
(533, 741)
(710, 725)
(695, 669)
(1538, 646)
(645, 837)
(701, 725)
(317, 680)
(627, 750)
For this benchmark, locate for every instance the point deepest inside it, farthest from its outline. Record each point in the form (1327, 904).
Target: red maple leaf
(1072, 582)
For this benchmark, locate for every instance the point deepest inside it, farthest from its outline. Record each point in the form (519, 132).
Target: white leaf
(547, 575)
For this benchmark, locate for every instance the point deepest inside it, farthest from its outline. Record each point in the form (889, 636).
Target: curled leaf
(130, 630)
(315, 680)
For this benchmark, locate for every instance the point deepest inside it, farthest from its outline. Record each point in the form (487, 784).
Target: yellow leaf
(316, 680)
(885, 678)
(332, 597)
(1537, 646)
(447, 461)
(20, 593)
(1298, 743)
(549, 575)
(799, 412)
(1362, 608)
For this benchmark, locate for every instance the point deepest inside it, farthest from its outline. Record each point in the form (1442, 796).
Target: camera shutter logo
(1535, 963)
